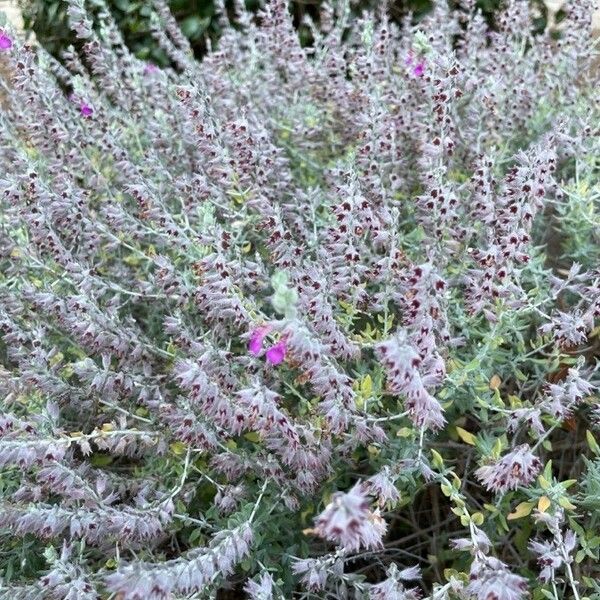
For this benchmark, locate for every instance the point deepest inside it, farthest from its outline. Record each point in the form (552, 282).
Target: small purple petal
(276, 354)
(150, 68)
(5, 42)
(257, 338)
(86, 110)
(419, 69)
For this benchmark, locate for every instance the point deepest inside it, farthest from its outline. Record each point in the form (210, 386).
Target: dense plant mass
(302, 323)
(198, 19)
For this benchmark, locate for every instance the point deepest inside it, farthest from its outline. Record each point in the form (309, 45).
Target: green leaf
(592, 443)
(477, 518)
(437, 461)
(101, 460)
(124, 5)
(566, 503)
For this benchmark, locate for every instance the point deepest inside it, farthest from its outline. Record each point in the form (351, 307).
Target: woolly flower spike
(261, 589)
(276, 354)
(550, 555)
(519, 467)
(5, 42)
(188, 573)
(315, 571)
(491, 580)
(568, 329)
(382, 487)
(86, 110)
(347, 521)
(562, 397)
(477, 542)
(257, 338)
(408, 374)
(393, 588)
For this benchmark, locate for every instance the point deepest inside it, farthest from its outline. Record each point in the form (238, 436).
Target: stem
(421, 437)
(570, 577)
(262, 492)
(554, 589)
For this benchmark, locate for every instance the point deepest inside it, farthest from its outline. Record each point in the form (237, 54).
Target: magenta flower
(86, 110)
(257, 339)
(419, 69)
(276, 353)
(5, 42)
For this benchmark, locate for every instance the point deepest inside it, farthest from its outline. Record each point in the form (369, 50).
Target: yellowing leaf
(107, 427)
(404, 432)
(456, 482)
(446, 490)
(477, 518)
(592, 443)
(522, 510)
(366, 386)
(437, 461)
(465, 436)
(544, 504)
(178, 448)
(544, 483)
(497, 449)
(495, 382)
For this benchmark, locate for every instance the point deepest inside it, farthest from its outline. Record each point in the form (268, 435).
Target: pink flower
(150, 68)
(86, 110)
(516, 468)
(276, 353)
(5, 42)
(492, 579)
(348, 522)
(419, 69)
(257, 339)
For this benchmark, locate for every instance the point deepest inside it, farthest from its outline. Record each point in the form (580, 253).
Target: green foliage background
(47, 18)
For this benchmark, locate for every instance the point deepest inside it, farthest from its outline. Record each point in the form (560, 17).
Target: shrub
(198, 20)
(311, 323)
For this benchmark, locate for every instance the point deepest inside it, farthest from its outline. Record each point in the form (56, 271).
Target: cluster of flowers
(229, 289)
